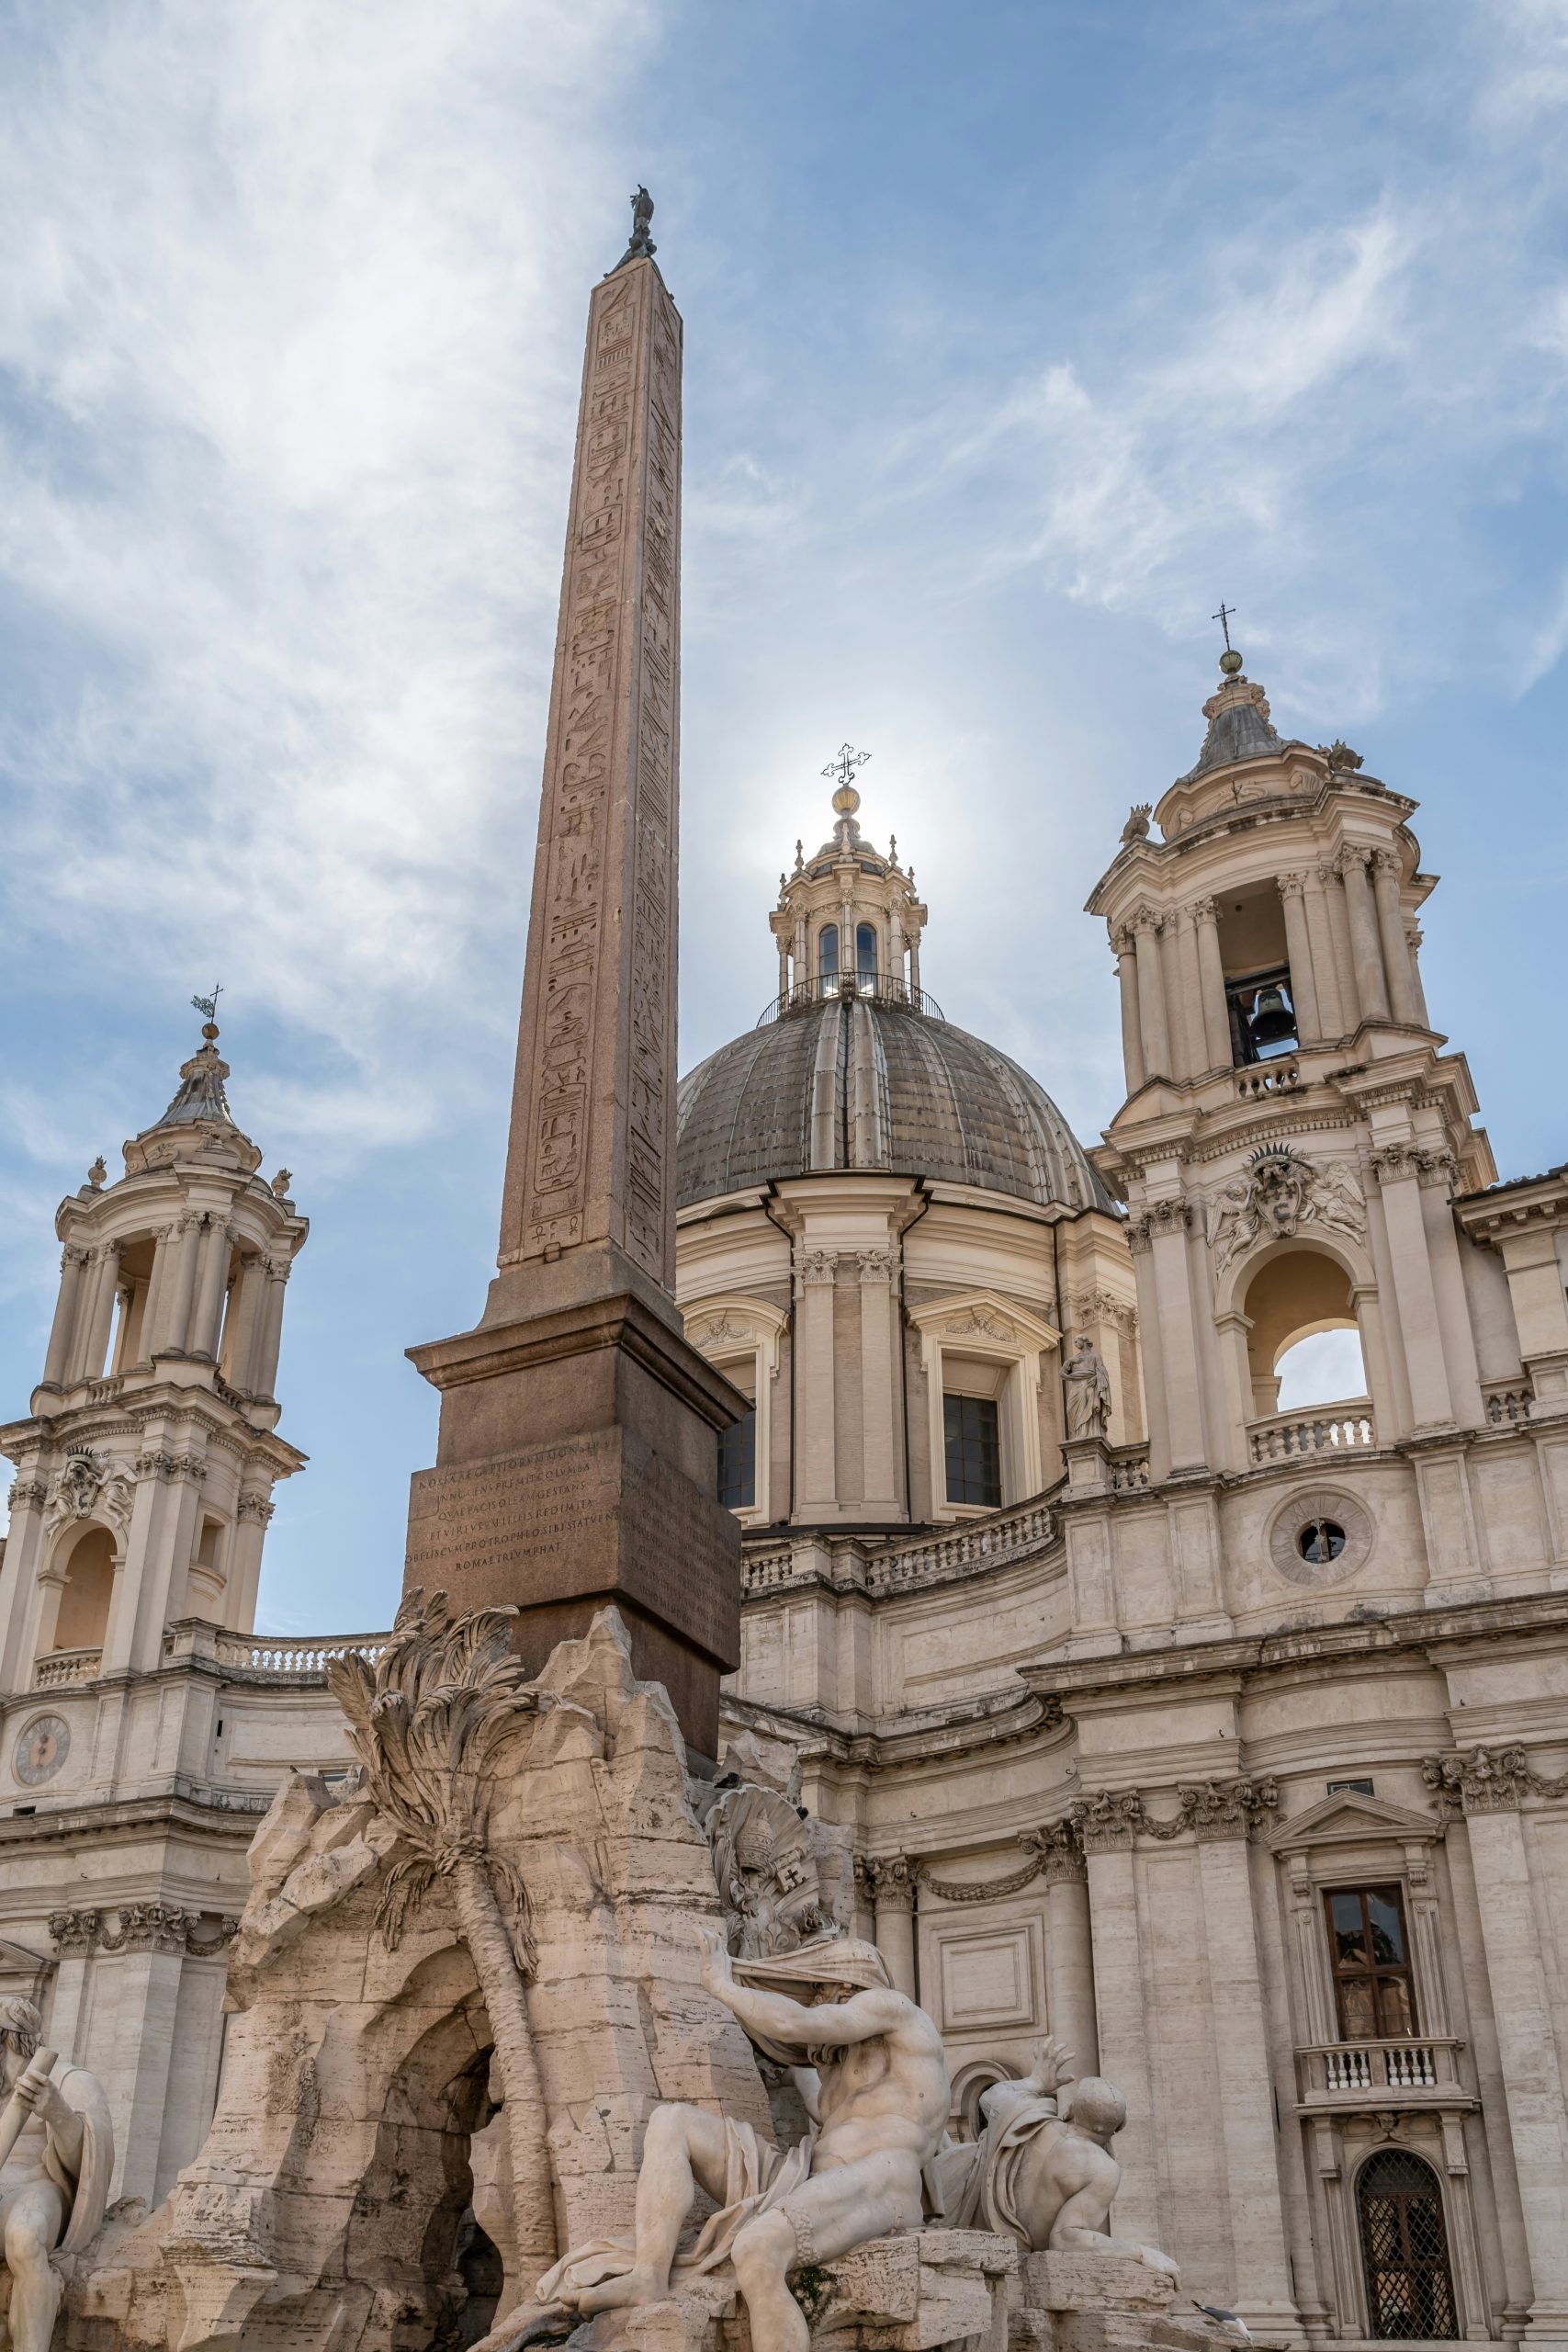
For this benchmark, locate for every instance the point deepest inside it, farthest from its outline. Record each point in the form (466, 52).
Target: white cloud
(287, 341)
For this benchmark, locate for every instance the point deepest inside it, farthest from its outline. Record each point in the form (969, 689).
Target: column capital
(1352, 857)
(892, 1878)
(1487, 1781)
(1203, 910)
(1291, 886)
(878, 1266)
(76, 1254)
(1122, 941)
(815, 1266)
(1144, 917)
(1386, 860)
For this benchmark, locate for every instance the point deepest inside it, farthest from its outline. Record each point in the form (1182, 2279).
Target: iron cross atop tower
(843, 769)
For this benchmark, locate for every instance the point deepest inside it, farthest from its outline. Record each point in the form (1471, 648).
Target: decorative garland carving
(140, 1927)
(1486, 1781)
(1209, 1811)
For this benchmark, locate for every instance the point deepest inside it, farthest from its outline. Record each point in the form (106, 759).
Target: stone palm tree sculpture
(429, 1721)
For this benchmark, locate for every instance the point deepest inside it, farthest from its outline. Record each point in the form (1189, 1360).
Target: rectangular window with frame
(972, 1440)
(1370, 1950)
(737, 1464)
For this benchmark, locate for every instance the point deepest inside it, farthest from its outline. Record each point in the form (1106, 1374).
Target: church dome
(852, 1066)
(860, 1080)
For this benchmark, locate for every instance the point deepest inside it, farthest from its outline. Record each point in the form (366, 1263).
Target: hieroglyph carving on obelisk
(591, 1158)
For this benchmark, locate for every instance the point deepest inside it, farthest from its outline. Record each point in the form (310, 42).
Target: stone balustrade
(1420, 2068)
(1005, 1535)
(58, 1669)
(266, 1657)
(1506, 1403)
(1320, 1430)
(1265, 1078)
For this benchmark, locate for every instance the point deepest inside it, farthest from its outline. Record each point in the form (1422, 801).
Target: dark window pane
(737, 1464)
(827, 952)
(1345, 1910)
(866, 949)
(1388, 1928)
(973, 1445)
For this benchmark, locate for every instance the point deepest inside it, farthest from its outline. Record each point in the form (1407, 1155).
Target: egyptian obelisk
(578, 1452)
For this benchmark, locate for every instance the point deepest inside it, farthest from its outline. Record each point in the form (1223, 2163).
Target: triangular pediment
(1350, 1818)
(983, 1315)
(22, 1971)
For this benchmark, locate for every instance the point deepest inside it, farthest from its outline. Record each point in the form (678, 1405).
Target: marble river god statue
(56, 2156)
(1044, 2172)
(872, 2075)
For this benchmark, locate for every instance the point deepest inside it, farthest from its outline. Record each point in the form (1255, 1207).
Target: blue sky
(1016, 336)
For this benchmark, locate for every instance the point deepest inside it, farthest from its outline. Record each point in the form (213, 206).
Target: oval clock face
(41, 1750)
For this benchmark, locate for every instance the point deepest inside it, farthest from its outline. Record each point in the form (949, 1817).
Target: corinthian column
(1212, 984)
(1402, 999)
(57, 1361)
(892, 1888)
(1332, 1017)
(1366, 953)
(1298, 949)
(1152, 1026)
(1131, 1034)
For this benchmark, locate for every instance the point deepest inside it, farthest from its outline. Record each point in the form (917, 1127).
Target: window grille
(1405, 2249)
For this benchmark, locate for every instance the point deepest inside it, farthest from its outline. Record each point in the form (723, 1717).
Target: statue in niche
(1044, 2172)
(1088, 1386)
(872, 2074)
(56, 2156)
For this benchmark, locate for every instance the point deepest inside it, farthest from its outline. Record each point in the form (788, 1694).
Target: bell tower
(146, 1465)
(1293, 1134)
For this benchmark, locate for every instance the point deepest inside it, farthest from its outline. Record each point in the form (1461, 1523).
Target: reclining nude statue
(56, 2156)
(873, 2077)
(1044, 2172)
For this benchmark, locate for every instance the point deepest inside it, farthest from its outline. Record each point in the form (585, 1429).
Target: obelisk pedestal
(576, 1461)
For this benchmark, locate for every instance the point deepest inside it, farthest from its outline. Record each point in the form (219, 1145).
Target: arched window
(865, 952)
(84, 1613)
(827, 952)
(1405, 2249)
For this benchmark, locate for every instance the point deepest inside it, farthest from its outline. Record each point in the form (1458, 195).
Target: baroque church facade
(1226, 1741)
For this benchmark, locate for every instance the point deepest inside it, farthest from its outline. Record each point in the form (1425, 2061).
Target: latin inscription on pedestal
(590, 1515)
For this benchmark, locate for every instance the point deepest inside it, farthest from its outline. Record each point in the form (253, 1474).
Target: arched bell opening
(1404, 2250)
(1304, 1347)
(81, 1619)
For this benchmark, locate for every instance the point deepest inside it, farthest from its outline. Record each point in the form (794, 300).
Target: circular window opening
(1320, 1539)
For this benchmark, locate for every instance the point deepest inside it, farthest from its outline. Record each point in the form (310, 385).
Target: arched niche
(83, 1617)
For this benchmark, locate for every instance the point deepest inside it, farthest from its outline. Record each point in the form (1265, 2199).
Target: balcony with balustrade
(1399, 2073)
(1322, 1432)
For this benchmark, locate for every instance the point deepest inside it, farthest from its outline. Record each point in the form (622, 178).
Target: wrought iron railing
(877, 988)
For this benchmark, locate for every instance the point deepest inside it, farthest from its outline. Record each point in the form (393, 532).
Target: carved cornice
(1487, 1781)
